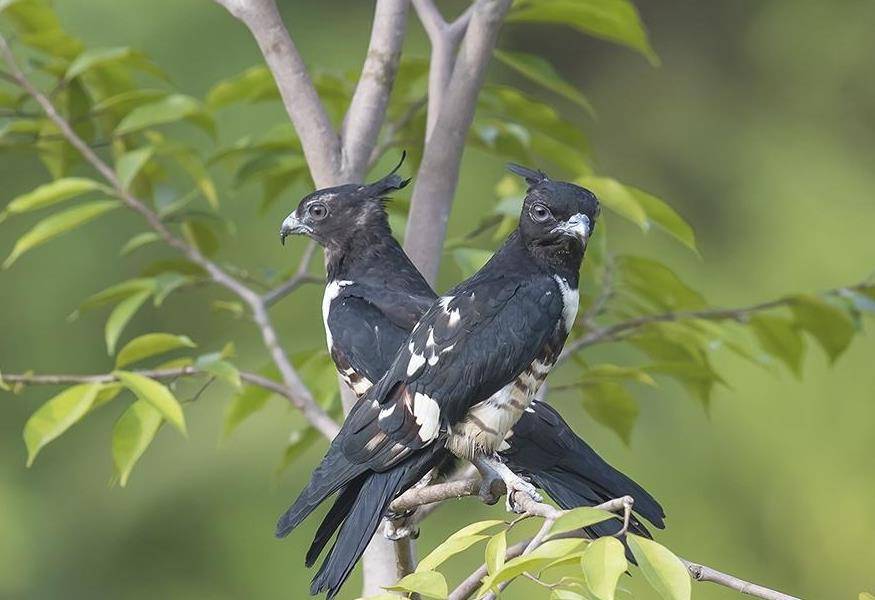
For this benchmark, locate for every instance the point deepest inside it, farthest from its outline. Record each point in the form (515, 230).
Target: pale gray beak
(578, 226)
(292, 225)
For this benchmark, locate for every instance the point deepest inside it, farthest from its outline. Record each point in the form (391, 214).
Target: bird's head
(556, 214)
(333, 216)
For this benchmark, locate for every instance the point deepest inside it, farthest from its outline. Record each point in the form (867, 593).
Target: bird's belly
(486, 424)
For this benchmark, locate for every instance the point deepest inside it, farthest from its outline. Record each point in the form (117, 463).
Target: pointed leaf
(604, 560)
(138, 241)
(129, 165)
(542, 72)
(613, 406)
(614, 195)
(150, 345)
(662, 569)
(830, 325)
(121, 315)
(457, 542)
(57, 224)
(223, 370)
(167, 110)
(779, 337)
(155, 394)
(133, 433)
(299, 442)
(57, 415)
(613, 20)
(537, 559)
(429, 584)
(95, 57)
(248, 402)
(496, 549)
(52, 193)
(580, 517)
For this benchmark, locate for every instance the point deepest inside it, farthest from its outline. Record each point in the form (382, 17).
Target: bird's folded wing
(469, 345)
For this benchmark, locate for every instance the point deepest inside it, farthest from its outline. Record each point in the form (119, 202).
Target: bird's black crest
(390, 182)
(533, 177)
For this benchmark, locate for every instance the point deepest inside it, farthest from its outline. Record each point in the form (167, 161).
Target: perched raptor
(493, 337)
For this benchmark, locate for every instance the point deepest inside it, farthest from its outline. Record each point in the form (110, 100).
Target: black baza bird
(494, 336)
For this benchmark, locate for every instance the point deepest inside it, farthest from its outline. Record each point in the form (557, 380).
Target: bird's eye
(317, 211)
(540, 213)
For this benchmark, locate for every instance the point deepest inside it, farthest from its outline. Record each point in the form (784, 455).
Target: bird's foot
(518, 485)
(496, 475)
(396, 530)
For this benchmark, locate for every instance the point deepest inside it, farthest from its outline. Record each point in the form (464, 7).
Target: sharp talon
(490, 490)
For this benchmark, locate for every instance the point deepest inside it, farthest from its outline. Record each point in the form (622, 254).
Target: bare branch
(303, 397)
(444, 38)
(703, 573)
(320, 142)
(367, 110)
(439, 171)
(300, 277)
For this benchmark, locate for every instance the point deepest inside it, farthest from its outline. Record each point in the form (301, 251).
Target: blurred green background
(758, 127)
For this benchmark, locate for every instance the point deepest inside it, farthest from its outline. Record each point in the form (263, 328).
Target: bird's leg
(401, 525)
(492, 471)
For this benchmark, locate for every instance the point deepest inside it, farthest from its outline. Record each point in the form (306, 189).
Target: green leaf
(133, 433)
(604, 560)
(781, 339)
(560, 594)
(580, 517)
(57, 224)
(607, 372)
(155, 394)
(699, 378)
(496, 549)
(221, 369)
(129, 165)
(299, 442)
(662, 569)
(150, 344)
(252, 85)
(3, 385)
(470, 260)
(616, 197)
(317, 370)
(542, 72)
(121, 315)
(831, 326)
(456, 543)
(541, 556)
(246, 403)
(613, 406)
(95, 57)
(117, 292)
(167, 110)
(57, 415)
(665, 217)
(430, 584)
(138, 241)
(657, 284)
(866, 596)
(52, 193)
(613, 20)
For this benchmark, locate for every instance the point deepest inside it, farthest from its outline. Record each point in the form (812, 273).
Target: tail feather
(364, 510)
(339, 510)
(333, 473)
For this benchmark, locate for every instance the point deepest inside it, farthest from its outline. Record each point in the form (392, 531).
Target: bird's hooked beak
(292, 225)
(578, 226)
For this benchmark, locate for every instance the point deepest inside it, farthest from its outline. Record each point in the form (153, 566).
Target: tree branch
(296, 387)
(439, 172)
(319, 141)
(426, 496)
(301, 276)
(367, 110)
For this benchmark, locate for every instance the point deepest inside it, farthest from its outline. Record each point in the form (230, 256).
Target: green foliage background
(756, 127)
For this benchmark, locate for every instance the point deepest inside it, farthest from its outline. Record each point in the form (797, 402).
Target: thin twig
(300, 277)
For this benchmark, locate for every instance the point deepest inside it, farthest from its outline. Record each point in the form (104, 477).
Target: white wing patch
(570, 302)
(415, 364)
(428, 416)
(454, 316)
(332, 291)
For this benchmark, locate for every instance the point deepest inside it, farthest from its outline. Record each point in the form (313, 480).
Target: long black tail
(544, 448)
(358, 511)
(332, 474)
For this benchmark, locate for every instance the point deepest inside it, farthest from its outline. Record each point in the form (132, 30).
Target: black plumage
(499, 331)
